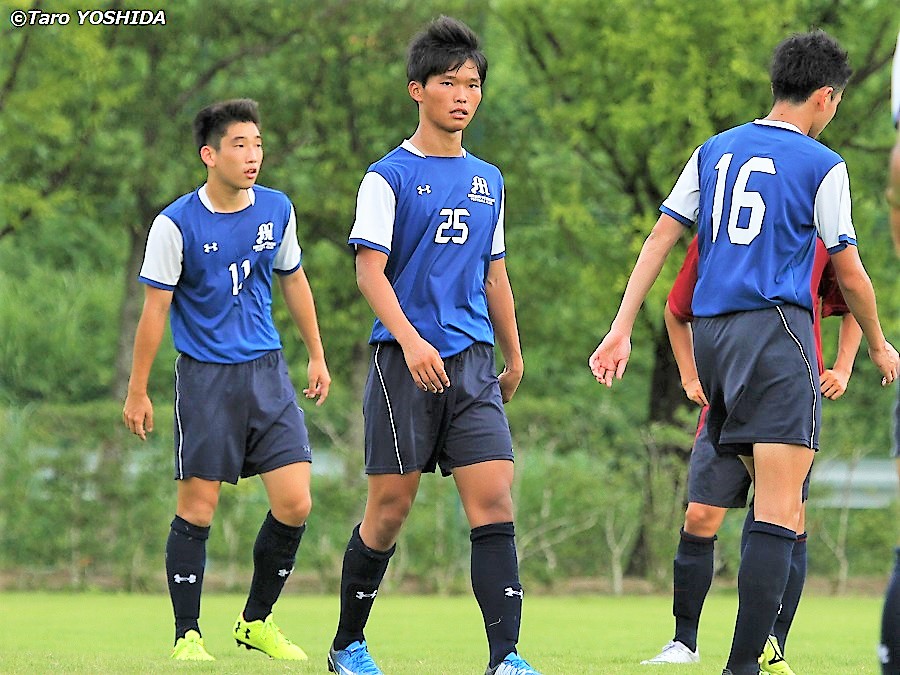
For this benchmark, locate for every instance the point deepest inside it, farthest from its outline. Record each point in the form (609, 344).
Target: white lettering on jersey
(454, 223)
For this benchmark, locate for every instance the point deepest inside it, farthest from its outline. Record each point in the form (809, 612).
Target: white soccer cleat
(674, 652)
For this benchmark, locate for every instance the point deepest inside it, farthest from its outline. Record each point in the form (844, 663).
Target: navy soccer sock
(495, 581)
(792, 592)
(748, 523)
(273, 561)
(361, 576)
(763, 575)
(889, 651)
(693, 574)
(185, 562)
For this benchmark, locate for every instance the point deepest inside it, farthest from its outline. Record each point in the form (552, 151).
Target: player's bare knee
(199, 513)
(702, 520)
(293, 512)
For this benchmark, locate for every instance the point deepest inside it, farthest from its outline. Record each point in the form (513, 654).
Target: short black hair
(445, 44)
(805, 62)
(211, 123)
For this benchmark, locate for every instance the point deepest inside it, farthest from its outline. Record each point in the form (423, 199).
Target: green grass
(112, 633)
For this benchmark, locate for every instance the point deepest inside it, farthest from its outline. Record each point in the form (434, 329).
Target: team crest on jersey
(211, 247)
(265, 238)
(480, 191)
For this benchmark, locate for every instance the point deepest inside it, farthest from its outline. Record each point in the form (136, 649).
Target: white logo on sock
(509, 591)
(191, 578)
(285, 573)
(360, 595)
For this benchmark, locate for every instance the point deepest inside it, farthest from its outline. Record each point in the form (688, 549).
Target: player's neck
(226, 198)
(437, 142)
(798, 115)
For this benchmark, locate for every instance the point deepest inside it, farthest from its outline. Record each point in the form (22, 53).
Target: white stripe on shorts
(812, 382)
(390, 410)
(179, 457)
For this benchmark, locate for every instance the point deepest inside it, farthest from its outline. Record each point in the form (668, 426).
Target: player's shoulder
(398, 158)
(270, 195)
(175, 210)
(483, 166)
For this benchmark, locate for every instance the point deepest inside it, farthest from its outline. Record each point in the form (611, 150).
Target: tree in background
(594, 109)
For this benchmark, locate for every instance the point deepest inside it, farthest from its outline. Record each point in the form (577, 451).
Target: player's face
(237, 160)
(449, 100)
(831, 99)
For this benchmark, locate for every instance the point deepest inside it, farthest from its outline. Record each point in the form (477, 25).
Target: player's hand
(833, 383)
(425, 365)
(887, 361)
(509, 382)
(138, 415)
(319, 380)
(694, 391)
(611, 357)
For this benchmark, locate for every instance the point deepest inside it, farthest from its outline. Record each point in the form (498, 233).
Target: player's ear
(415, 90)
(823, 96)
(208, 155)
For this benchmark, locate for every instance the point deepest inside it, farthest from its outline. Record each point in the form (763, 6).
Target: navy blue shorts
(236, 420)
(719, 480)
(760, 375)
(409, 430)
(714, 479)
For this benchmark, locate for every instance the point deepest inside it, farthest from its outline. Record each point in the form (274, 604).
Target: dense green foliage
(590, 110)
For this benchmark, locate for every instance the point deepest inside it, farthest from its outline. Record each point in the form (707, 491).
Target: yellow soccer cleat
(266, 637)
(772, 660)
(190, 648)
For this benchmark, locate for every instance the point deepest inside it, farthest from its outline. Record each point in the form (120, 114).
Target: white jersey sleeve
(498, 245)
(376, 206)
(832, 209)
(289, 254)
(164, 253)
(683, 202)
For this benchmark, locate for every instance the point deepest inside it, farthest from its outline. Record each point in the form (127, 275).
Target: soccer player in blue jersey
(889, 649)
(717, 483)
(759, 195)
(429, 242)
(208, 266)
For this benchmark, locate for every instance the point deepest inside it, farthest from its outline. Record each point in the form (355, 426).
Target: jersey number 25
(454, 229)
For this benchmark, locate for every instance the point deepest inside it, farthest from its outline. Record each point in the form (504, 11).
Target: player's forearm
(502, 311)
(647, 268)
(859, 294)
(682, 341)
(849, 338)
(860, 297)
(147, 339)
(300, 303)
(382, 298)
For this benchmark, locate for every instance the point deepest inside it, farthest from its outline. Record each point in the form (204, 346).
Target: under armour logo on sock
(360, 595)
(191, 578)
(285, 573)
(509, 591)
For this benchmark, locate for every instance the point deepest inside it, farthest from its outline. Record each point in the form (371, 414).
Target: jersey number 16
(740, 198)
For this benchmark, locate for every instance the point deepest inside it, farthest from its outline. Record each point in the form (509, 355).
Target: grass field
(110, 633)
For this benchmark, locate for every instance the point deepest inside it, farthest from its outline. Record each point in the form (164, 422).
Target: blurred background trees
(590, 110)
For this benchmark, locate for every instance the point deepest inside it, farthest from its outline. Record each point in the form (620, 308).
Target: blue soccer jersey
(440, 222)
(219, 267)
(760, 194)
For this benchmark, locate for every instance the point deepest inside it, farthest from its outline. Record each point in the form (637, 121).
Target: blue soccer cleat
(352, 660)
(513, 664)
